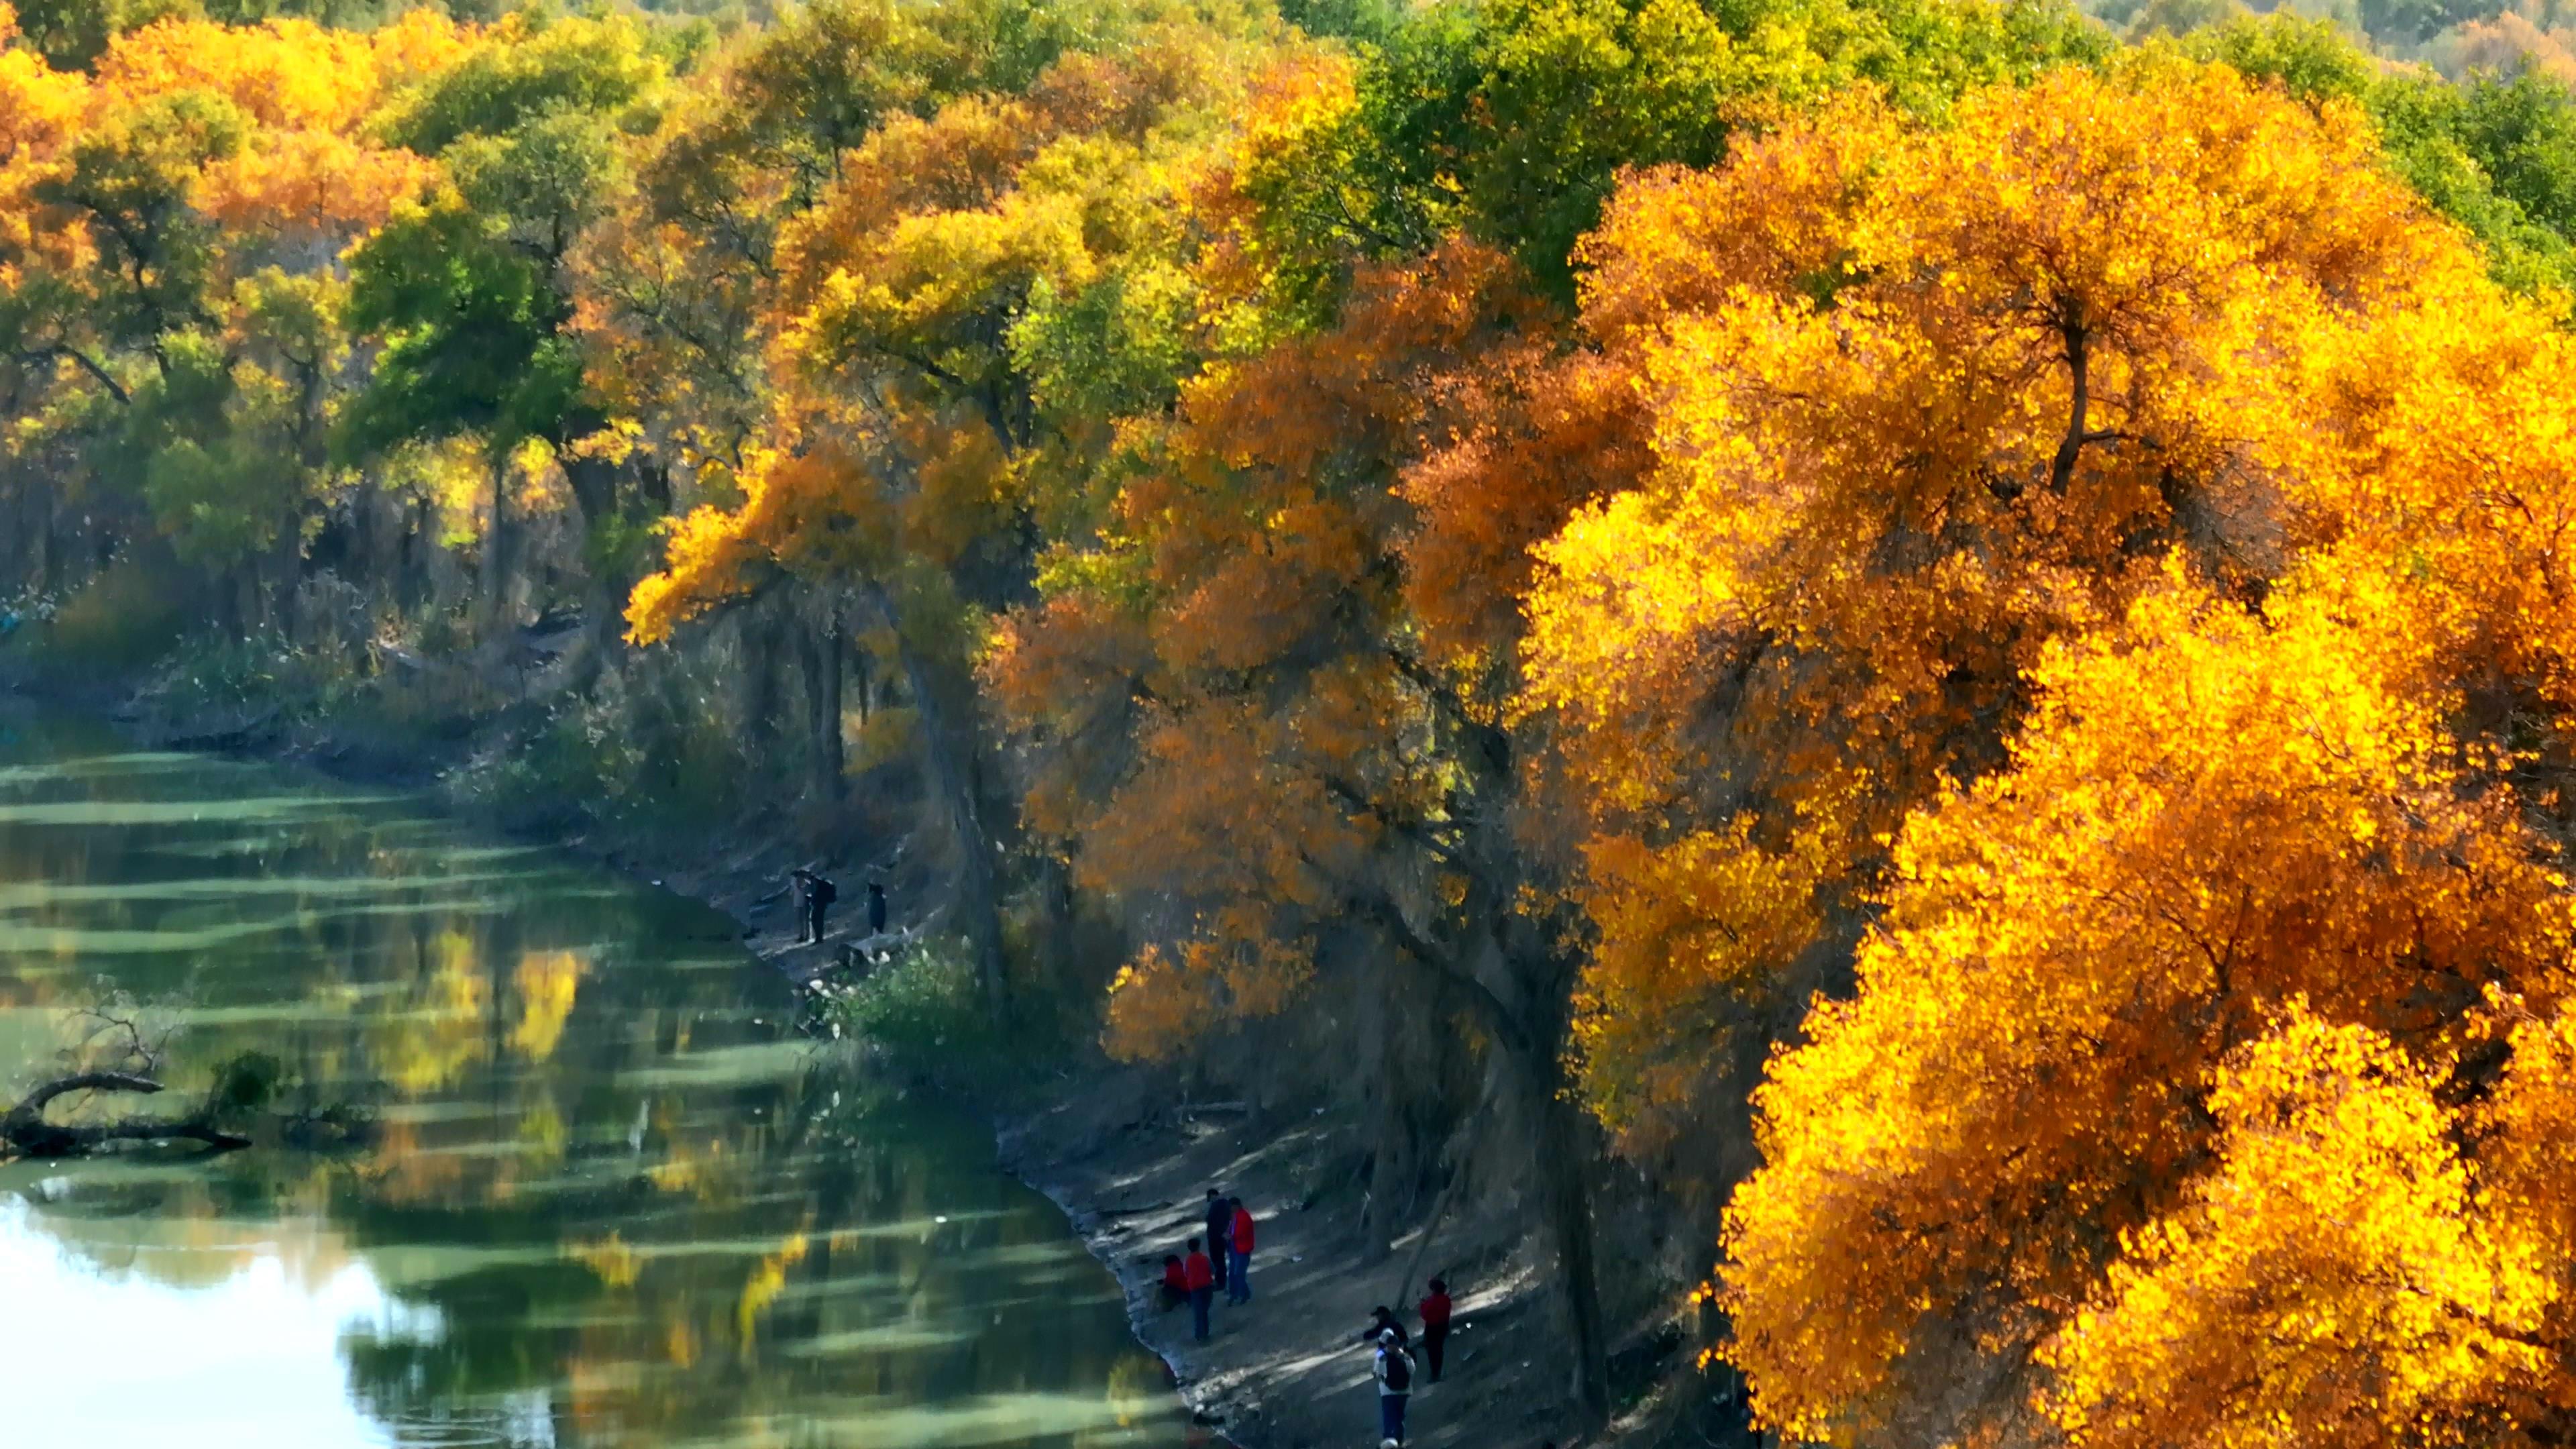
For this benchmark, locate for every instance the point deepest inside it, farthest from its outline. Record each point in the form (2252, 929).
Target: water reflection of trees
(632, 1212)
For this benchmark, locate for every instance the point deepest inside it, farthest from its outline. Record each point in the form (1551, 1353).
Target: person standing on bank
(1435, 1327)
(1393, 1368)
(1220, 1226)
(816, 895)
(1238, 1267)
(876, 909)
(1201, 1281)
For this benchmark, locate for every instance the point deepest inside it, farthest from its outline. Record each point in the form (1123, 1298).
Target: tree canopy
(1941, 630)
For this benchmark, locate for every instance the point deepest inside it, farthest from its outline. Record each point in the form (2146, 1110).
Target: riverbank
(1131, 1168)
(1117, 1149)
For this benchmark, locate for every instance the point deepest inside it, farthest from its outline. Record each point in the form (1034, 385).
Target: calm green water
(615, 1202)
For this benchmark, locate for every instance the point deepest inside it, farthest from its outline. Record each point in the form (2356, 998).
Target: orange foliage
(2207, 1082)
(1922, 403)
(311, 183)
(890, 319)
(289, 74)
(1285, 763)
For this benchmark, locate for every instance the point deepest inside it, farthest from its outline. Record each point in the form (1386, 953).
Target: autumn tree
(922, 309)
(171, 296)
(1916, 419)
(470, 284)
(2205, 1052)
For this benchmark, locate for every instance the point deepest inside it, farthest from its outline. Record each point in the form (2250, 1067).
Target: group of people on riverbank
(1392, 1364)
(815, 895)
(1221, 1261)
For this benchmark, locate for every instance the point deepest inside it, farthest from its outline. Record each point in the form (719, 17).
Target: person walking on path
(1435, 1327)
(1238, 1267)
(814, 899)
(1220, 1226)
(1394, 1371)
(1382, 1321)
(1200, 1279)
(876, 909)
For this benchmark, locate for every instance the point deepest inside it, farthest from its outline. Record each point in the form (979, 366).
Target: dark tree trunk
(1566, 1201)
(948, 750)
(1394, 1164)
(594, 489)
(822, 653)
(756, 633)
(497, 544)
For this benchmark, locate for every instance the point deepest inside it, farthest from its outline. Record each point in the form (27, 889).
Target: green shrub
(923, 1012)
(259, 673)
(125, 618)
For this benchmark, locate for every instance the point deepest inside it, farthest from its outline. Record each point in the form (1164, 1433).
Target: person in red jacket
(1200, 1278)
(1435, 1326)
(1238, 1267)
(1176, 1286)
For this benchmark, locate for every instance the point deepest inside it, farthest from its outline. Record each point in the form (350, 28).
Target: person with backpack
(1200, 1279)
(1394, 1371)
(816, 895)
(1435, 1327)
(1238, 1268)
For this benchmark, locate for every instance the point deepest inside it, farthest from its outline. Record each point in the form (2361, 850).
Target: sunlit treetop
(2206, 1064)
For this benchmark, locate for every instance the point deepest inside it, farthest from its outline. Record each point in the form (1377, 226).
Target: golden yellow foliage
(1921, 402)
(2337, 1244)
(2208, 1078)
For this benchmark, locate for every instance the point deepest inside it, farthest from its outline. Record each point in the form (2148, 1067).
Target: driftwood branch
(25, 1130)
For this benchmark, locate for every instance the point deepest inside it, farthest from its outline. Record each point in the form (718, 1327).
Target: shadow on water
(612, 1200)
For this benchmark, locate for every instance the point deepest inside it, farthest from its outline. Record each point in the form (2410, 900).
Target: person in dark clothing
(1220, 1226)
(1435, 1327)
(1176, 1283)
(817, 895)
(876, 909)
(1382, 1321)
(1200, 1279)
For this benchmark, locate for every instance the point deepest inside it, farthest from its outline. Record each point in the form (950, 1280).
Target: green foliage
(1116, 348)
(131, 177)
(470, 326)
(1367, 21)
(124, 618)
(73, 34)
(1513, 118)
(2498, 156)
(546, 177)
(581, 65)
(245, 1083)
(923, 1013)
(661, 758)
(255, 675)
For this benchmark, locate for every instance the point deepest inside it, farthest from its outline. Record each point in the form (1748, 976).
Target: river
(612, 1199)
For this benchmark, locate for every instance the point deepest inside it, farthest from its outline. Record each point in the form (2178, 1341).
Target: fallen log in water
(25, 1131)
